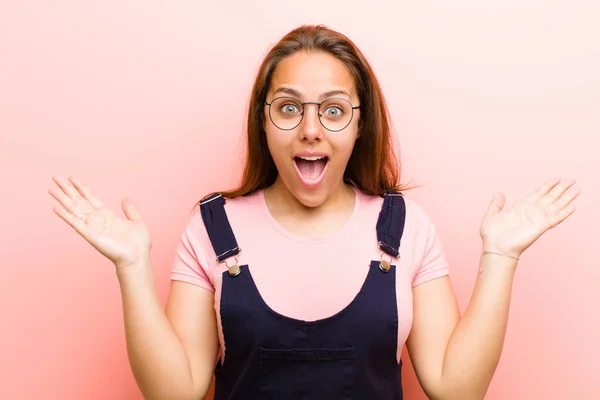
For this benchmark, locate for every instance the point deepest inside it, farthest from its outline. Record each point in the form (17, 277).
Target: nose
(311, 128)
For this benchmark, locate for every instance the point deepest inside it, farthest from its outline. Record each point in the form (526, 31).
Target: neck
(281, 200)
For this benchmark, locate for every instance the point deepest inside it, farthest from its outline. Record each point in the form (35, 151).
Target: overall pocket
(315, 374)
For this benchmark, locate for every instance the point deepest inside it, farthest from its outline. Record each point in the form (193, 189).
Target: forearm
(156, 356)
(475, 346)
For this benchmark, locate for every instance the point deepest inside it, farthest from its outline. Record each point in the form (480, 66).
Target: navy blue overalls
(350, 355)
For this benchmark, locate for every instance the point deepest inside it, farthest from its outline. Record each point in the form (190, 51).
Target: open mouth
(311, 169)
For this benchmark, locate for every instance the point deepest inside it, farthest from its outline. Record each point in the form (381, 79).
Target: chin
(308, 197)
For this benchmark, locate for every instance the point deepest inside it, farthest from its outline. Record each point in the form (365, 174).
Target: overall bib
(350, 355)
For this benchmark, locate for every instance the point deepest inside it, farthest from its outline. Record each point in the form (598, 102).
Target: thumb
(131, 211)
(497, 204)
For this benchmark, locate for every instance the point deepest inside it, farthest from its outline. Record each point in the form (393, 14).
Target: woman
(338, 270)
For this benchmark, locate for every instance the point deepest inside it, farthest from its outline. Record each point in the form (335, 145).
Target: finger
(64, 200)
(74, 207)
(67, 187)
(131, 211)
(562, 215)
(75, 222)
(558, 191)
(86, 193)
(544, 189)
(497, 204)
(568, 197)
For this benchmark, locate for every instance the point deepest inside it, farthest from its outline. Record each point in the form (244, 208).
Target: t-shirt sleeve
(190, 263)
(433, 262)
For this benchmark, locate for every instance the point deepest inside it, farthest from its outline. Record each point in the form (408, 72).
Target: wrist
(135, 269)
(490, 254)
(494, 248)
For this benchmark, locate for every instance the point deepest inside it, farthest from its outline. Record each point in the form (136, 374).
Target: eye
(333, 112)
(289, 108)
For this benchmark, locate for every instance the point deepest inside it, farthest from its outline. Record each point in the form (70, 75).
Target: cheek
(345, 145)
(276, 144)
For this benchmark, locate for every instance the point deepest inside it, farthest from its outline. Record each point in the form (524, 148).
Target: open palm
(121, 240)
(513, 230)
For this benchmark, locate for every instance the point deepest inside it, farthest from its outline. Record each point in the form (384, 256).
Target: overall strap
(390, 224)
(218, 227)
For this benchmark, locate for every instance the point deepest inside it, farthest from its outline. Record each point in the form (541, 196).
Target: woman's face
(310, 159)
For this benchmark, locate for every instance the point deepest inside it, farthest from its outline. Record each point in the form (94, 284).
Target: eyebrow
(295, 93)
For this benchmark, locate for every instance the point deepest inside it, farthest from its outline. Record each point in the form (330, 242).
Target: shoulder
(195, 237)
(418, 224)
(235, 208)
(419, 217)
(229, 203)
(416, 215)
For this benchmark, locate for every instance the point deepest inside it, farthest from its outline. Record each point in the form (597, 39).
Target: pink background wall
(147, 98)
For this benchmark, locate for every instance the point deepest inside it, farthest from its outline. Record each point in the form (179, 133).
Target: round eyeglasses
(286, 113)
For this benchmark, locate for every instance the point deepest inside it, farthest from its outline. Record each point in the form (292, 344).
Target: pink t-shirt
(311, 278)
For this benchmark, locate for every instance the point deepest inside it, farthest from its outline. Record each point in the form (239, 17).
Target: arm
(456, 357)
(172, 355)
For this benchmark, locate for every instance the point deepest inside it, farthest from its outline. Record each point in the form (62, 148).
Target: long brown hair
(373, 167)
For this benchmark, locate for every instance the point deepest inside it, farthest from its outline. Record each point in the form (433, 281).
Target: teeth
(313, 158)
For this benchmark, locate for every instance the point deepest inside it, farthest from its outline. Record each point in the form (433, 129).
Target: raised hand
(512, 231)
(121, 240)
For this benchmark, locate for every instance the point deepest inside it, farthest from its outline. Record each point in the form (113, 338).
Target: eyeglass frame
(318, 112)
